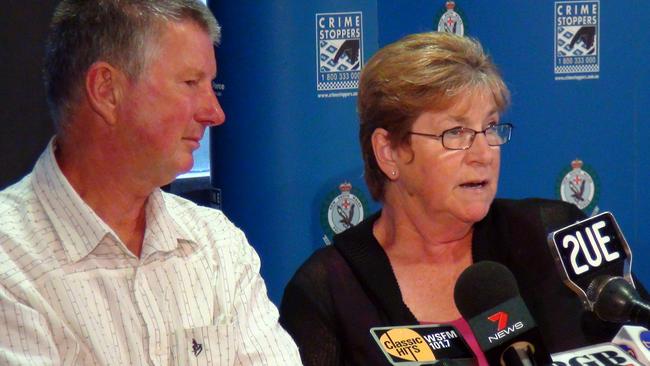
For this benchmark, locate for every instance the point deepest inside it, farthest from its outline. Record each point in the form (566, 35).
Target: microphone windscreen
(482, 286)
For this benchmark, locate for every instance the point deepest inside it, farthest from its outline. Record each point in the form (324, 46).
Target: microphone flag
(603, 354)
(636, 341)
(502, 324)
(432, 344)
(589, 249)
(487, 296)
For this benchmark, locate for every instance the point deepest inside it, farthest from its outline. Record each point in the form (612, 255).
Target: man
(97, 264)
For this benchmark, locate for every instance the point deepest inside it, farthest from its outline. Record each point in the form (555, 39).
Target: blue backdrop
(289, 143)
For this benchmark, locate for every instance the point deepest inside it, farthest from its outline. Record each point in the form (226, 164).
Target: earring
(393, 173)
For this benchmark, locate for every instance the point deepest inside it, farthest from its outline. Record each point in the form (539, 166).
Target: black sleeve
(306, 312)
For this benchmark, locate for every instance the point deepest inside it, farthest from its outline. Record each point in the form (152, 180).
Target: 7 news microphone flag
(487, 296)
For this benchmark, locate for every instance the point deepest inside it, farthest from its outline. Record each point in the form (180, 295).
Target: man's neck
(109, 188)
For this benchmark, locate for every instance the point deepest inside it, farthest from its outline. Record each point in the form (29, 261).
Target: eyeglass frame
(442, 135)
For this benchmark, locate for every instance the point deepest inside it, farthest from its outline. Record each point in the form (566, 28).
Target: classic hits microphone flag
(435, 344)
(595, 262)
(487, 296)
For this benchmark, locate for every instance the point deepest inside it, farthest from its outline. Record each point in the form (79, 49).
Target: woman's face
(456, 183)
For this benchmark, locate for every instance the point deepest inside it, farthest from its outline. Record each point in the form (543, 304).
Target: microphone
(487, 295)
(634, 340)
(615, 300)
(434, 344)
(602, 354)
(594, 260)
(630, 346)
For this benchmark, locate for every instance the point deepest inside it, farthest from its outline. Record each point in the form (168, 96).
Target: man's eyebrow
(198, 73)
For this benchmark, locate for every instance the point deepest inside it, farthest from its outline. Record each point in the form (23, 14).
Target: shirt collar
(78, 226)
(163, 231)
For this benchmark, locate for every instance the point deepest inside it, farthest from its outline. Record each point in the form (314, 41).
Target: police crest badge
(451, 21)
(341, 210)
(578, 185)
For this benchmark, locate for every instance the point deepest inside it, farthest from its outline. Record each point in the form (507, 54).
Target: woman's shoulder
(510, 222)
(317, 267)
(332, 265)
(550, 214)
(533, 203)
(310, 289)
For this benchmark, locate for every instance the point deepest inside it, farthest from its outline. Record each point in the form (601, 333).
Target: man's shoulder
(18, 194)
(18, 208)
(187, 211)
(25, 234)
(204, 223)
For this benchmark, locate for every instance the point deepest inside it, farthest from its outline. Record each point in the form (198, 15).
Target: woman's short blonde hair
(420, 72)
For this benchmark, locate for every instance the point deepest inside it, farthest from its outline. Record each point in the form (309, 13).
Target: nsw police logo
(578, 185)
(577, 40)
(451, 21)
(339, 39)
(341, 210)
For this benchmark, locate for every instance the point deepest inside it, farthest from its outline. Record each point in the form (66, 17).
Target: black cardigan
(343, 290)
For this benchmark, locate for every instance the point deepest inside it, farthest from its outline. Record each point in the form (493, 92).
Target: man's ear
(104, 88)
(384, 153)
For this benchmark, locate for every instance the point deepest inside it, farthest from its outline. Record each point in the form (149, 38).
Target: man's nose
(210, 112)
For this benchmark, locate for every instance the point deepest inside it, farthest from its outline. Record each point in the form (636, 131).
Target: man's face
(164, 113)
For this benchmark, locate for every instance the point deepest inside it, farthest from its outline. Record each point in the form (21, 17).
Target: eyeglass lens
(462, 138)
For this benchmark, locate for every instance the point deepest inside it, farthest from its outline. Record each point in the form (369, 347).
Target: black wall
(25, 125)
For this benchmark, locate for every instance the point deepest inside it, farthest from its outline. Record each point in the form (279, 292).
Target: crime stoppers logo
(406, 344)
(578, 185)
(339, 39)
(577, 40)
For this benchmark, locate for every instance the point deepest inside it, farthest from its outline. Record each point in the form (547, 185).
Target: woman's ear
(104, 86)
(385, 154)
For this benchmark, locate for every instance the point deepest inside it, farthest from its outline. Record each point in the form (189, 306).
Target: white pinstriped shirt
(72, 294)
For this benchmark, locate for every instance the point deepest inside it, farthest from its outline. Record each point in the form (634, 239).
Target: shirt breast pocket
(208, 345)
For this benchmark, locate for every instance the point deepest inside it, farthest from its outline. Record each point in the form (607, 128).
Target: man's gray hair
(120, 32)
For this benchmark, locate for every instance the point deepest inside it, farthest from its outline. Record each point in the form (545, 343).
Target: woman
(430, 107)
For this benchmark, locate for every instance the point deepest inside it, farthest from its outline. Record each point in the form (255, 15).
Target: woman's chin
(475, 212)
